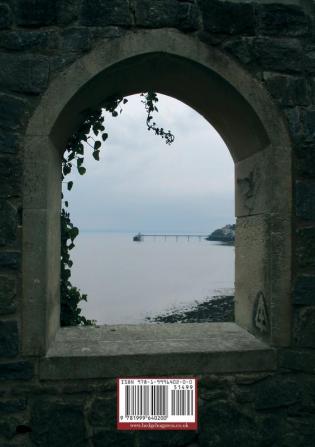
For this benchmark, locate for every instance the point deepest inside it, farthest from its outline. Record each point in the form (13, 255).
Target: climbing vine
(91, 134)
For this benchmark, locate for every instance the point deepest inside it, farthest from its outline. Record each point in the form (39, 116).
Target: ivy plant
(91, 134)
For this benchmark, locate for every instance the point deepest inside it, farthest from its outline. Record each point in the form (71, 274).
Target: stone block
(104, 13)
(295, 125)
(103, 412)
(113, 439)
(8, 426)
(24, 73)
(10, 260)
(309, 52)
(9, 342)
(9, 141)
(305, 200)
(305, 248)
(228, 17)
(214, 419)
(5, 16)
(305, 160)
(304, 290)
(7, 295)
(281, 20)
(57, 424)
(8, 223)
(276, 392)
(168, 13)
(287, 90)
(304, 327)
(16, 371)
(76, 39)
(67, 11)
(301, 124)
(241, 48)
(31, 13)
(311, 87)
(12, 405)
(22, 40)
(308, 118)
(10, 177)
(297, 359)
(278, 54)
(172, 438)
(12, 111)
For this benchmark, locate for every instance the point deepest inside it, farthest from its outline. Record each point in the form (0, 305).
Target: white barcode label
(157, 404)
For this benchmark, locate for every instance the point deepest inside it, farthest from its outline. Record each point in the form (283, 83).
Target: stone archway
(233, 102)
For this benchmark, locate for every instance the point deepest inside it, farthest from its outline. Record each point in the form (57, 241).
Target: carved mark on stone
(249, 187)
(261, 315)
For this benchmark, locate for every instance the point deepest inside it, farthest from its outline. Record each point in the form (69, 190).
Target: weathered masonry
(249, 68)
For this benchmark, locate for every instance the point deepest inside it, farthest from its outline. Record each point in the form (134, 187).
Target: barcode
(146, 400)
(157, 403)
(182, 403)
(152, 400)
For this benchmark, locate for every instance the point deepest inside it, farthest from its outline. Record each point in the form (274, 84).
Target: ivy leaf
(80, 149)
(97, 145)
(96, 155)
(71, 156)
(69, 186)
(114, 113)
(80, 160)
(66, 203)
(104, 136)
(81, 170)
(125, 101)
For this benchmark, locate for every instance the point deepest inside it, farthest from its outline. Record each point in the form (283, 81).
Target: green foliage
(92, 133)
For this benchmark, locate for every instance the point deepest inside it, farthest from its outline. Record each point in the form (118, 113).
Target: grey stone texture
(7, 295)
(21, 370)
(57, 423)
(5, 16)
(69, 399)
(26, 40)
(166, 13)
(30, 13)
(303, 292)
(228, 17)
(9, 342)
(25, 73)
(305, 200)
(104, 13)
(8, 222)
(305, 327)
(305, 246)
(282, 20)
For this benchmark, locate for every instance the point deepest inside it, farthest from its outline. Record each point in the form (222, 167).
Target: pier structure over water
(140, 237)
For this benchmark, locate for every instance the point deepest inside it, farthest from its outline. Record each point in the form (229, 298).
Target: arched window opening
(175, 197)
(243, 113)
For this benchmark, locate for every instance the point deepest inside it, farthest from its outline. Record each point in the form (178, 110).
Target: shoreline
(213, 309)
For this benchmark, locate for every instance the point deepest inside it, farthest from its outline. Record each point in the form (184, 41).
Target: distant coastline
(225, 234)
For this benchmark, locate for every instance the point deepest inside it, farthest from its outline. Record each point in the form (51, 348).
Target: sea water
(127, 281)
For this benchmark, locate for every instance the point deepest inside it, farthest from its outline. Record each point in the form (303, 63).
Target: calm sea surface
(128, 281)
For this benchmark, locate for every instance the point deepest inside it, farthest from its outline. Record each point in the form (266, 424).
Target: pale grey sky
(142, 184)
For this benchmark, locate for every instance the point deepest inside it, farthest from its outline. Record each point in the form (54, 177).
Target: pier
(140, 237)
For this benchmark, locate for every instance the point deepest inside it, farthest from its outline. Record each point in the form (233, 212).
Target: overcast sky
(142, 184)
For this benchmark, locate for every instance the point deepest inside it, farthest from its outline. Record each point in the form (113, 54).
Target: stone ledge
(168, 349)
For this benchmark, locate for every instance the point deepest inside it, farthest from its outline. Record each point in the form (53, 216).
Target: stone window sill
(154, 349)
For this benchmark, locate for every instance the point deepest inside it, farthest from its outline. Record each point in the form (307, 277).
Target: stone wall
(275, 42)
